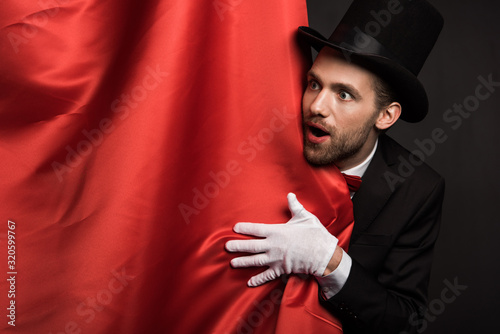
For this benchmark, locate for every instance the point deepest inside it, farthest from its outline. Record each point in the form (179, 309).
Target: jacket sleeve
(393, 299)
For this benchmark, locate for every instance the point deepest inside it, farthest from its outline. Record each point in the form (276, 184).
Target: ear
(388, 116)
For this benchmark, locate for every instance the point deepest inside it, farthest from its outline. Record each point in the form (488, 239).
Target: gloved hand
(301, 246)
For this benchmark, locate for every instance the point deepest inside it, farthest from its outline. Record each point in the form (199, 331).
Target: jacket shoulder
(405, 166)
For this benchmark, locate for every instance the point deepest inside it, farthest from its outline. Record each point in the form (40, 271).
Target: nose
(320, 104)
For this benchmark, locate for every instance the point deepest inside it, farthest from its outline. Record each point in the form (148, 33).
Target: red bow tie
(353, 182)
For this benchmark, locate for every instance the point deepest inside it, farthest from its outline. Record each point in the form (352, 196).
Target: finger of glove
(248, 246)
(266, 276)
(299, 213)
(255, 229)
(257, 260)
(294, 205)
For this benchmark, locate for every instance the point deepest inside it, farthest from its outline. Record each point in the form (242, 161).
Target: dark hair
(384, 94)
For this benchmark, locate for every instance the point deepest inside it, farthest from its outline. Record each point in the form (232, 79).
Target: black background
(467, 251)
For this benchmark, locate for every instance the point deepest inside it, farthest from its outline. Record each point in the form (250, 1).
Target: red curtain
(133, 136)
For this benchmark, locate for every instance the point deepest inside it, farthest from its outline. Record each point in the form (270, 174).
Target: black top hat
(392, 39)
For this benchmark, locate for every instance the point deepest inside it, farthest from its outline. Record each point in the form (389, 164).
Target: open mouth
(316, 133)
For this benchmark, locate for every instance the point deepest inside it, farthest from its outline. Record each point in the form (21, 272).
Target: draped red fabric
(133, 136)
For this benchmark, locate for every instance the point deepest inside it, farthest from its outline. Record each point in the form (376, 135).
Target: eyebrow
(337, 85)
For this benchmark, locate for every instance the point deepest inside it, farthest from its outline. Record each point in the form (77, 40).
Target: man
(362, 81)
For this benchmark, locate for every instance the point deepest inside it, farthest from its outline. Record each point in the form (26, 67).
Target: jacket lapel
(374, 191)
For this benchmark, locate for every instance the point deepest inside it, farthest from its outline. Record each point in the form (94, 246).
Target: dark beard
(341, 147)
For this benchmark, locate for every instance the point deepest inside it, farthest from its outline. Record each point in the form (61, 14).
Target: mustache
(317, 123)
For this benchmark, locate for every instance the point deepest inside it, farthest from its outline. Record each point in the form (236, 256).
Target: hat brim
(409, 91)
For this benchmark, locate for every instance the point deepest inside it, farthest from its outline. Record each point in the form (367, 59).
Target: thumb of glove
(294, 205)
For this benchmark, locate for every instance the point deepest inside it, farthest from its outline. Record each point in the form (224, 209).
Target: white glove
(301, 246)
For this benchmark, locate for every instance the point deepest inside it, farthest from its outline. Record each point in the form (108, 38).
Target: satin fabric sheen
(133, 136)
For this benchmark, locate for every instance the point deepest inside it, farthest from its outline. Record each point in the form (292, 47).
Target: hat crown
(404, 31)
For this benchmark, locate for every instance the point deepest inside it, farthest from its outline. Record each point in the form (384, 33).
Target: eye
(314, 85)
(345, 96)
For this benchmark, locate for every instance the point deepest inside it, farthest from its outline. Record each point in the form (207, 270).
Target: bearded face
(339, 112)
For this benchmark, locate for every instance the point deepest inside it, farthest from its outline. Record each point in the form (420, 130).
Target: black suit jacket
(397, 213)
